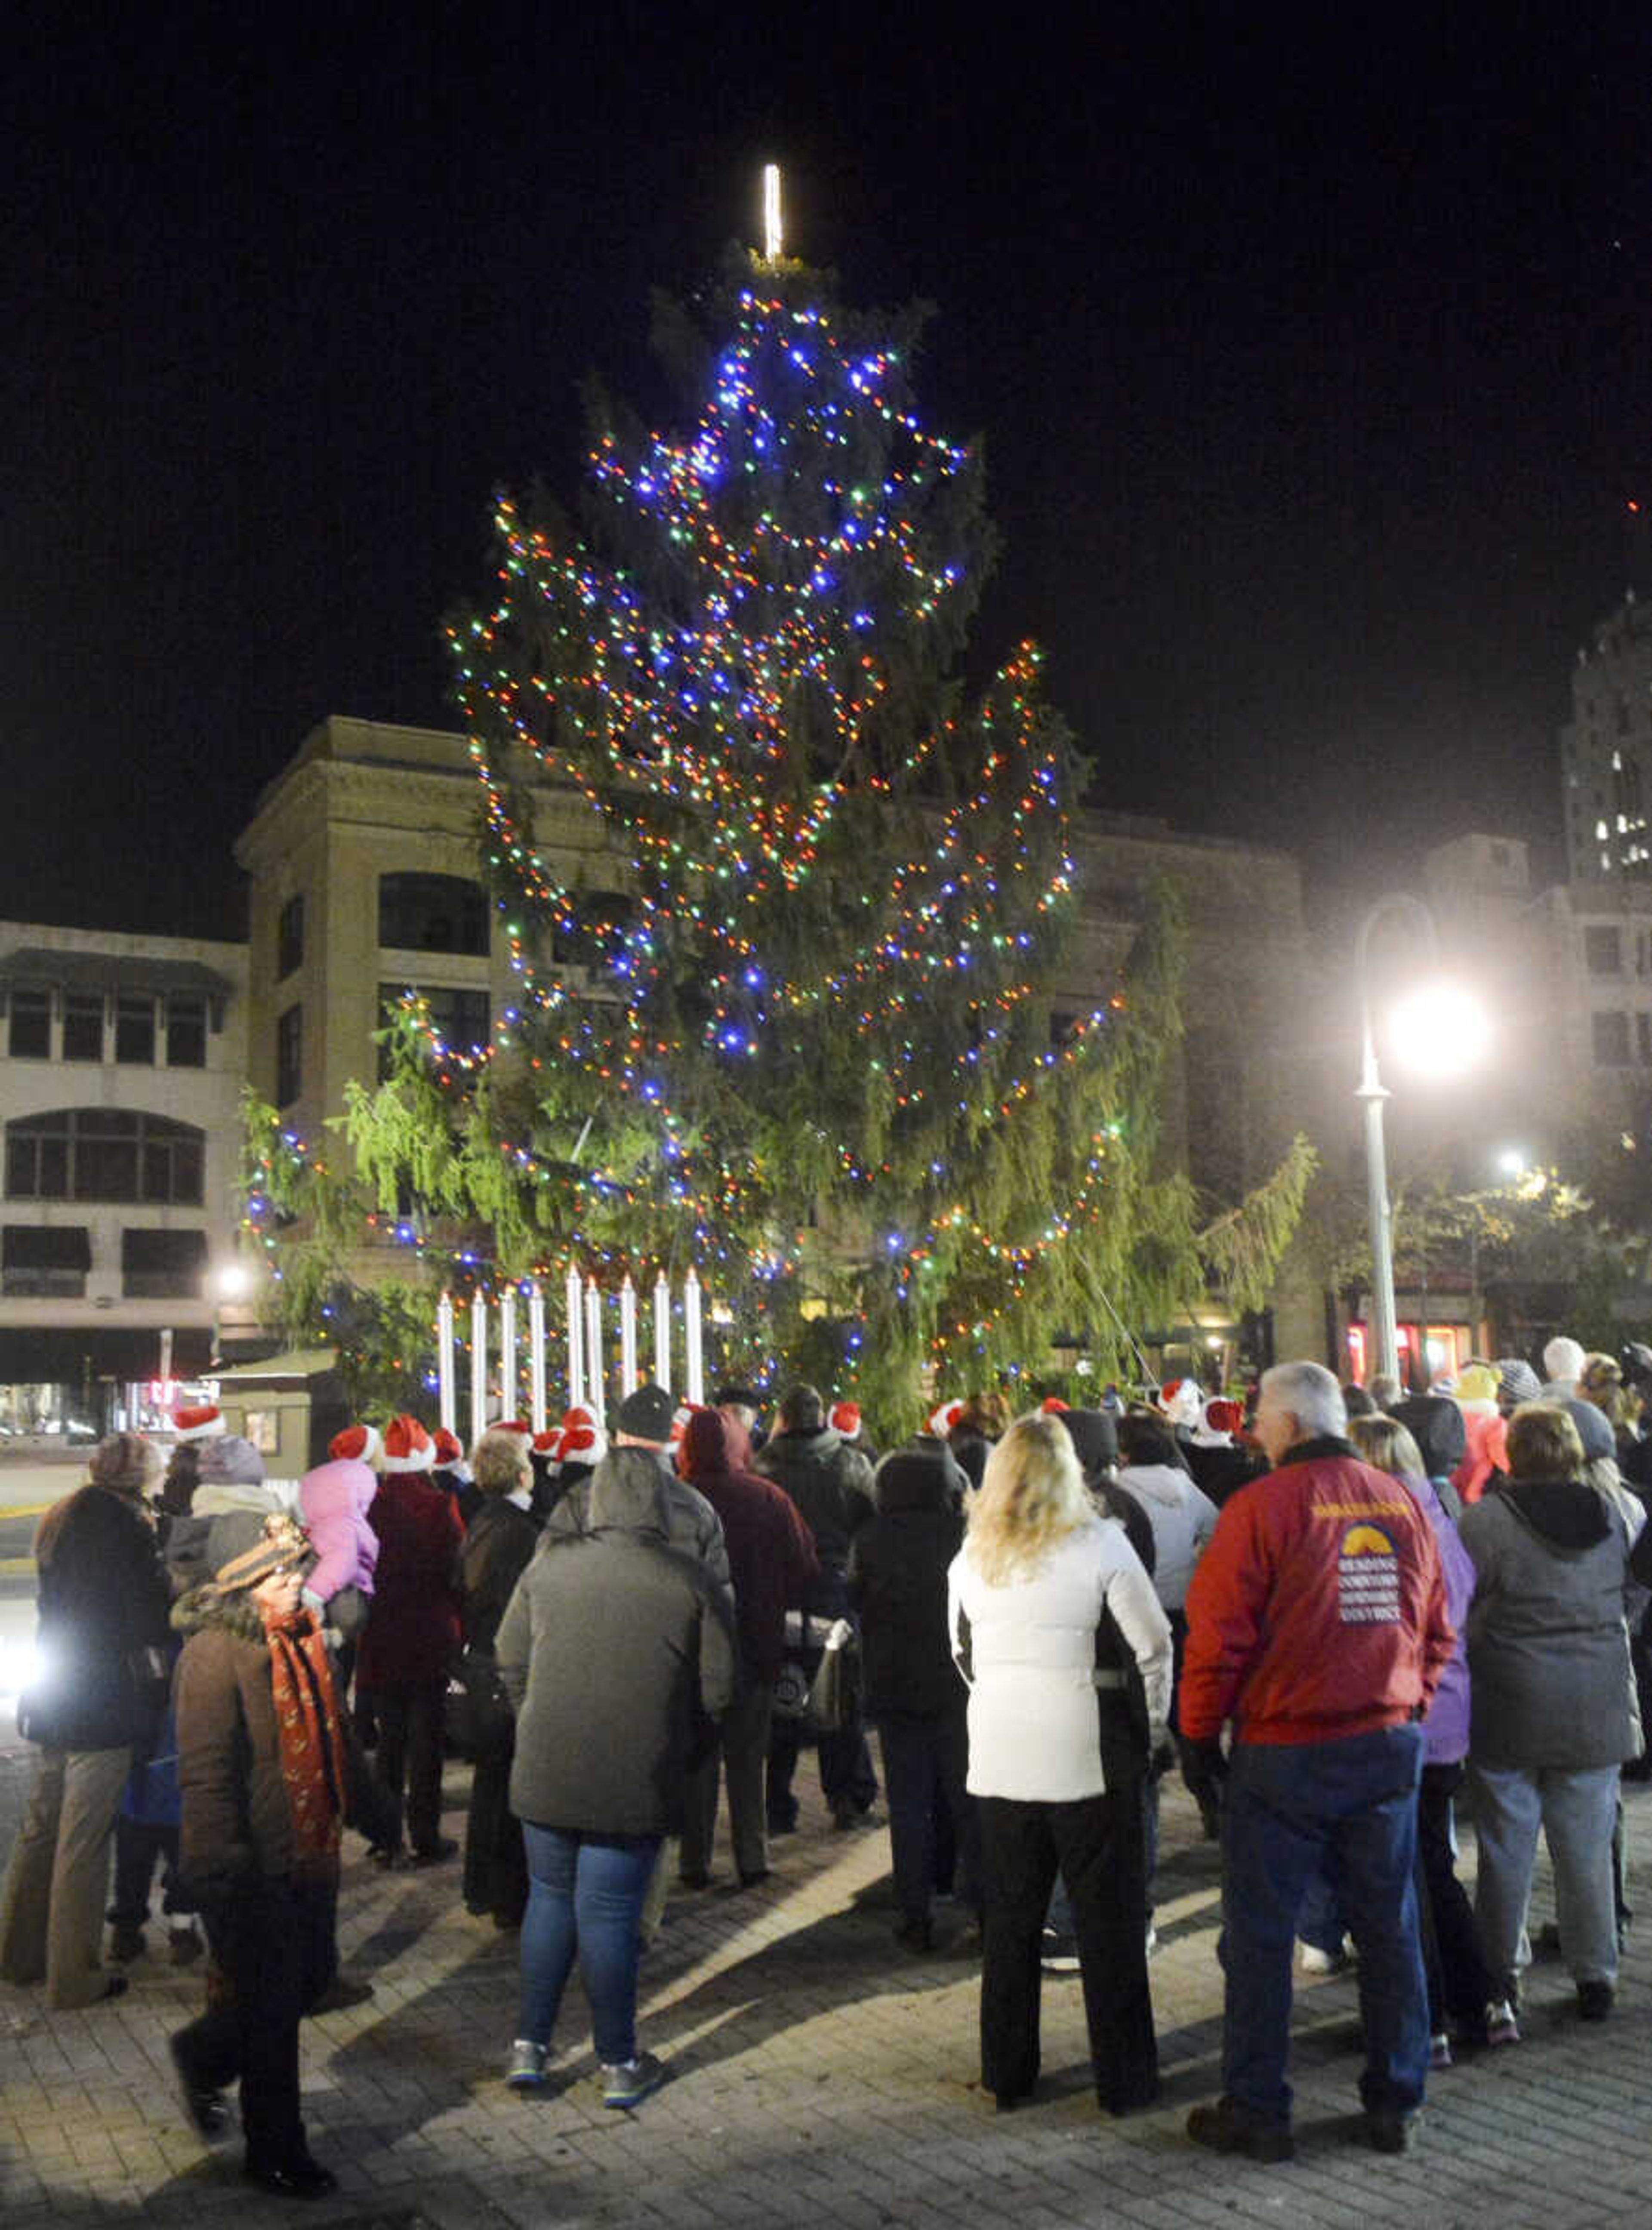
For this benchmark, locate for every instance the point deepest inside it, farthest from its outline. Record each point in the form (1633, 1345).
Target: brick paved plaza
(819, 2077)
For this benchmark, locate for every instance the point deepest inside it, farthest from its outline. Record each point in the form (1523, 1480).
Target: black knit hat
(647, 1413)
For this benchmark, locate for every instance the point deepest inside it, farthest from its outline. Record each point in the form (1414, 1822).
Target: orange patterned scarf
(313, 1743)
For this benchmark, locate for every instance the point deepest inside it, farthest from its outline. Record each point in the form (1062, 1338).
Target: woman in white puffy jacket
(1050, 1611)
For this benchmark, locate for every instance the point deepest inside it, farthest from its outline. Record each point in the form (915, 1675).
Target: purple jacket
(334, 1499)
(1445, 1731)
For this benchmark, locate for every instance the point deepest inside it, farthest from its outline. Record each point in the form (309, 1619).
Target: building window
(162, 1266)
(1611, 1041)
(135, 1027)
(105, 1153)
(186, 1030)
(31, 1036)
(36, 1263)
(289, 1056)
(289, 936)
(463, 1020)
(433, 913)
(1603, 951)
(1643, 1037)
(83, 1026)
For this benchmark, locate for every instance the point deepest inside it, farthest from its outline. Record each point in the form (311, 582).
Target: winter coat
(830, 1484)
(1445, 1731)
(694, 1526)
(1548, 1649)
(333, 1501)
(1182, 1518)
(1028, 1647)
(412, 1631)
(897, 1584)
(195, 1550)
(499, 1548)
(1318, 1611)
(104, 1640)
(613, 1650)
(771, 1554)
(237, 1822)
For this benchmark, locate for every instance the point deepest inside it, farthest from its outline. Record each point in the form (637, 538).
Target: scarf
(313, 1743)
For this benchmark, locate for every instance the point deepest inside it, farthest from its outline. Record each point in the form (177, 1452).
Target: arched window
(105, 1153)
(433, 913)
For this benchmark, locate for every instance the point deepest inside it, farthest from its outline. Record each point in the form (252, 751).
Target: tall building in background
(1606, 751)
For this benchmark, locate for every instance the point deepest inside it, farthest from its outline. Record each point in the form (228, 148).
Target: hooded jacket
(1548, 1649)
(613, 1649)
(771, 1554)
(333, 1500)
(691, 1522)
(831, 1484)
(1182, 1519)
(237, 1509)
(897, 1584)
(1318, 1611)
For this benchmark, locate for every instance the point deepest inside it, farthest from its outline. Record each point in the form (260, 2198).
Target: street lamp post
(1448, 1032)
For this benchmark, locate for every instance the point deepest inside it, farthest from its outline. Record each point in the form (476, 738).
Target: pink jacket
(334, 1499)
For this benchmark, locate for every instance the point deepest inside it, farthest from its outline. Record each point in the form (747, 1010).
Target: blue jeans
(1290, 1809)
(585, 1896)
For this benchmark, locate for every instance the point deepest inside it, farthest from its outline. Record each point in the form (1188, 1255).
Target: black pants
(496, 1862)
(274, 1952)
(139, 1844)
(409, 1753)
(1097, 1844)
(926, 1756)
(1460, 1984)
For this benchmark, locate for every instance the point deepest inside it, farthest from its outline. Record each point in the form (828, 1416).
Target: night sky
(1312, 365)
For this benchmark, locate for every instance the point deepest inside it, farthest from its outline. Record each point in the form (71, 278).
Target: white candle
(574, 1291)
(662, 1333)
(478, 1366)
(627, 1337)
(593, 1351)
(447, 1407)
(695, 1365)
(536, 1357)
(508, 1352)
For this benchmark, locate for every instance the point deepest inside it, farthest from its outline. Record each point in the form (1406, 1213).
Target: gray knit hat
(1517, 1382)
(230, 1462)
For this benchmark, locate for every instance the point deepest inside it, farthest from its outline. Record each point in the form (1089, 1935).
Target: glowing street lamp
(1439, 1029)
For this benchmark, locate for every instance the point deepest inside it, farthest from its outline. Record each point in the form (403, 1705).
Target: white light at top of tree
(773, 237)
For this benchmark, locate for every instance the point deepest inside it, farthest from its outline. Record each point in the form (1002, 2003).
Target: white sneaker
(1312, 1960)
(1502, 2027)
(1153, 1939)
(1059, 1954)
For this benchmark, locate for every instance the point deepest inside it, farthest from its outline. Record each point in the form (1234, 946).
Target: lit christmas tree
(791, 1018)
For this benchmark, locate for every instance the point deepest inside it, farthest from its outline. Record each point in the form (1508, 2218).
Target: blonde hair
(499, 1462)
(1544, 1443)
(1601, 1382)
(1032, 1495)
(1384, 1442)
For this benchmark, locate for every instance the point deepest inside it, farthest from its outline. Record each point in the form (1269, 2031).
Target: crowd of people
(1343, 1613)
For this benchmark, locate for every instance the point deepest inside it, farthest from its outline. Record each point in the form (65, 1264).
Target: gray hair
(1310, 1394)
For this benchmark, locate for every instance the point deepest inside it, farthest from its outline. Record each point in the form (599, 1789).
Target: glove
(1203, 1768)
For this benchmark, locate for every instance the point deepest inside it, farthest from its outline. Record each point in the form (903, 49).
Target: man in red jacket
(1317, 1626)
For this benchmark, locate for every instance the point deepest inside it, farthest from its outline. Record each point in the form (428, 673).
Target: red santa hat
(844, 1418)
(1181, 1402)
(545, 1443)
(448, 1451)
(1053, 1406)
(680, 1416)
(202, 1424)
(1220, 1424)
(408, 1447)
(356, 1444)
(515, 1425)
(942, 1419)
(581, 1439)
